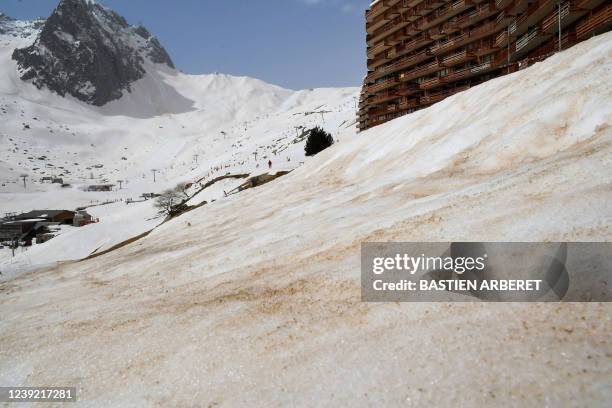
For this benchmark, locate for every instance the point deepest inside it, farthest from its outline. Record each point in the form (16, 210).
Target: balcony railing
(525, 39)
(468, 72)
(377, 49)
(465, 38)
(502, 39)
(501, 4)
(408, 89)
(388, 29)
(408, 104)
(431, 83)
(450, 27)
(383, 97)
(604, 16)
(445, 13)
(458, 58)
(379, 86)
(379, 7)
(414, 44)
(401, 64)
(439, 95)
(420, 71)
(531, 15)
(438, 48)
(481, 12)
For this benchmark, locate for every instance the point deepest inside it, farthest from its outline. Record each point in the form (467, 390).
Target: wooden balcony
(408, 89)
(570, 12)
(406, 104)
(431, 83)
(433, 97)
(414, 3)
(448, 44)
(390, 28)
(529, 41)
(599, 20)
(436, 33)
(412, 30)
(458, 58)
(469, 72)
(485, 50)
(466, 38)
(445, 13)
(383, 97)
(502, 39)
(450, 27)
(414, 45)
(503, 19)
(483, 11)
(534, 13)
(377, 62)
(502, 4)
(379, 21)
(377, 112)
(568, 39)
(378, 49)
(379, 86)
(420, 71)
(401, 64)
(378, 8)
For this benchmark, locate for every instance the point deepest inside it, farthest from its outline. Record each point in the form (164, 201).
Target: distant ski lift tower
(24, 177)
(154, 173)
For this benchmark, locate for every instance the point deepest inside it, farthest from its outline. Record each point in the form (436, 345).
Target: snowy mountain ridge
(90, 52)
(19, 29)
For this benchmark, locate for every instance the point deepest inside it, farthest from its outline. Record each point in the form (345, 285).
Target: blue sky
(293, 43)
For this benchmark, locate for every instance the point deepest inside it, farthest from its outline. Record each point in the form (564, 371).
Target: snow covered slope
(256, 297)
(186, 127)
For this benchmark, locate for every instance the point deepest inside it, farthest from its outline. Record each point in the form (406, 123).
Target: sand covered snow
(255, 299)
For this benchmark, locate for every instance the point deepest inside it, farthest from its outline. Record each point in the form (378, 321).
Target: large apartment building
(422, 51)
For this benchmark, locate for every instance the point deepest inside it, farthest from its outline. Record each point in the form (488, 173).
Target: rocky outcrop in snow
(90, 52)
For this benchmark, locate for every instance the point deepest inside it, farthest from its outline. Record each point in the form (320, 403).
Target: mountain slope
(186, 127)
(256, 297)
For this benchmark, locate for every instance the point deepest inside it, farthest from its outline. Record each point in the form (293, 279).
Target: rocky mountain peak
(90, 52)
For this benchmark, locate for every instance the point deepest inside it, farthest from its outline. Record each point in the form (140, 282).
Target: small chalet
(100, 187)
(61, 216)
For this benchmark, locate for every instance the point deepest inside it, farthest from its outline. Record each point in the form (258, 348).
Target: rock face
(90, 52)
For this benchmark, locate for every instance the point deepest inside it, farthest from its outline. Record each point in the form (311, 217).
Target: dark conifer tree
(318, 140)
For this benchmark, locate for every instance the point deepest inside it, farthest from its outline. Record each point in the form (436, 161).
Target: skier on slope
(269, 164)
